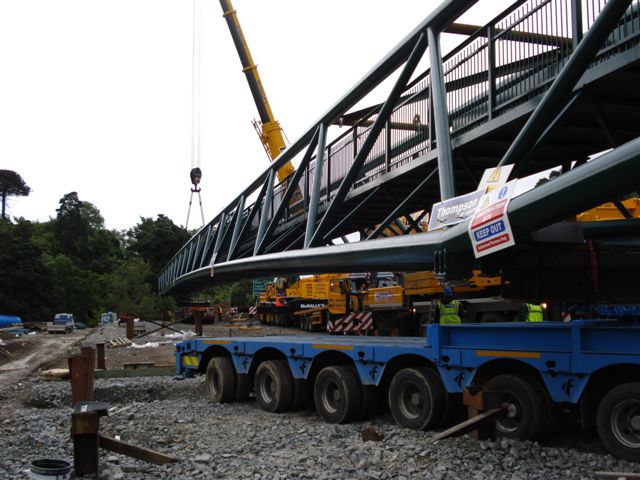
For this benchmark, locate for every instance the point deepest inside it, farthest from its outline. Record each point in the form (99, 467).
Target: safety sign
(489, 227)
(493, 178)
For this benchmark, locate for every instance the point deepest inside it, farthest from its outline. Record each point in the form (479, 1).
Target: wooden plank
(140, 453)
(470, 424)
(138, 365)
(142, 372)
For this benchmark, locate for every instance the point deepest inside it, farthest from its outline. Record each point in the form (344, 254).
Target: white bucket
(49, 469)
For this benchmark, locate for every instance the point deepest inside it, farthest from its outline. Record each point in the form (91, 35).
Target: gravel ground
(240, 441)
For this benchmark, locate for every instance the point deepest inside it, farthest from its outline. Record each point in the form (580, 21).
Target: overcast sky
(95, 96)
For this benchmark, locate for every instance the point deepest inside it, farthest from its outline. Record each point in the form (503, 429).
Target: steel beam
(220, 232)
(207, 244)
(396, 211)
(237, 225)
(549, 128)
(561, 88)
(293, 185)
(352, 213)
(252, 213)
(264, 214)
(347, 182)
(315, 190)
(441, 118)
(614, 172)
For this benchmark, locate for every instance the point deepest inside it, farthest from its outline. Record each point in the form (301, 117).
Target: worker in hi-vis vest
(531, 312)
(448, 311)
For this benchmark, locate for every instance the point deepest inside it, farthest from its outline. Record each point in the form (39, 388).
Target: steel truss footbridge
(545, 84)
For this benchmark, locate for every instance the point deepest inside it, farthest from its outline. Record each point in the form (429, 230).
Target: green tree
(74, 290)
(553, 174)
(156, 241)
(11, 184)
(25, 285)
(125, 288)
(70, 229)
(241, 294)
(81, 235)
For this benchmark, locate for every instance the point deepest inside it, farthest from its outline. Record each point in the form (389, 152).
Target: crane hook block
(196, 175)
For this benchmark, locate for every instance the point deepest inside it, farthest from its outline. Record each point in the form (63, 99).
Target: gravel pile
(240, 441)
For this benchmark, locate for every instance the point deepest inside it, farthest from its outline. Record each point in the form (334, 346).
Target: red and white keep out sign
(489, 227)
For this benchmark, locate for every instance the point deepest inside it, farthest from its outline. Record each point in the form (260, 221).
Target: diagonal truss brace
(385, 113)
(396, 211)
(293, 183)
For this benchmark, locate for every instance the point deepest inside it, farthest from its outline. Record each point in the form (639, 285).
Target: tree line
(73, 263)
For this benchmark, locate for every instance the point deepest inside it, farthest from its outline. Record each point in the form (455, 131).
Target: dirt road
(25, 354)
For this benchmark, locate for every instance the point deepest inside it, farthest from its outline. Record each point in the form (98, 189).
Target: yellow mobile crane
(304, 301)
(268, 128)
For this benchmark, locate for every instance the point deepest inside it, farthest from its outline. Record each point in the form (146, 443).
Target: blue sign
(489, 230)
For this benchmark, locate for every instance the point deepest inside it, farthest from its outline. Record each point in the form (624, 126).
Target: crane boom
(271, 133)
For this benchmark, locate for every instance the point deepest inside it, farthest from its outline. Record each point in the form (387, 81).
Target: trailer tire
(273, 386)
(243, 387)
(337, 394)
(527, 413)
(618, 421)
(417, 398)
(221, 380)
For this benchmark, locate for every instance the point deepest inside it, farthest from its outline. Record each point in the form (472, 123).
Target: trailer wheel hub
(635, 423)
(336, 395)
(512, 410)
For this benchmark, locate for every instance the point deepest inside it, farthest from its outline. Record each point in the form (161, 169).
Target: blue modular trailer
(592, 366)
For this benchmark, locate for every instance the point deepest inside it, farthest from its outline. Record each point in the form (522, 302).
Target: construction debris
(371, 435)
(118, 342)
(55, 374)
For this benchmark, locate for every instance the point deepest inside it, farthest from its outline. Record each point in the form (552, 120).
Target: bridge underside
(542, 86)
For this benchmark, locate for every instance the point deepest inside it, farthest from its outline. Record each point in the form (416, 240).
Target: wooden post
(84, 431)
(87, 440)
(198, 323)
(101, 365)
(130, 333)
(81, 369)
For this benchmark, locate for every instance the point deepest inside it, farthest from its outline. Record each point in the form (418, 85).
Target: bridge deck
(493, 82)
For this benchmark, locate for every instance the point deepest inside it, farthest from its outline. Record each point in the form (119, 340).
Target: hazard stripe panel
(356, 322)
(190, 361)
